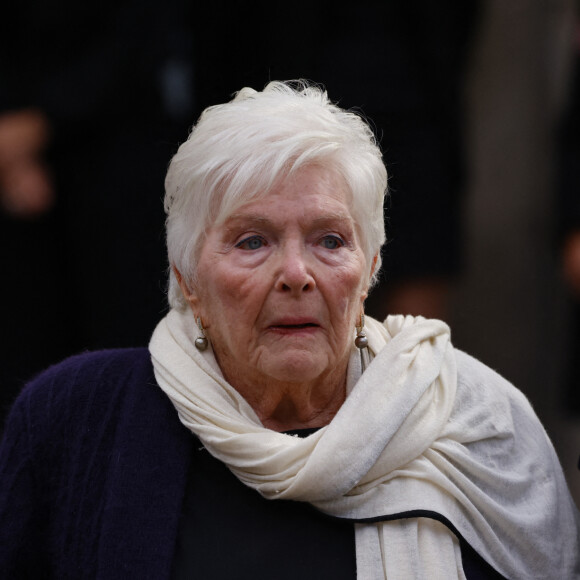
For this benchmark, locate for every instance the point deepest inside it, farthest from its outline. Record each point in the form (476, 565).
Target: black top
(228, 530)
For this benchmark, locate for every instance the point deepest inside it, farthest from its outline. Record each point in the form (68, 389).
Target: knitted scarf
(412, 457)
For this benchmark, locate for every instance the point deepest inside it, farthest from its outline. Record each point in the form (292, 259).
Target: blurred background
(476, 107)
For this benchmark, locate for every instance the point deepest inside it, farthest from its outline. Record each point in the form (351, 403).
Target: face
(282, 283)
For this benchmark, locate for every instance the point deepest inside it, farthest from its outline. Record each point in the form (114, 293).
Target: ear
(374, 266)
(188, 293)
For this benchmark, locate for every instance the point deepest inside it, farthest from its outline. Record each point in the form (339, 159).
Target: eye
(331, 242)
(251, 243)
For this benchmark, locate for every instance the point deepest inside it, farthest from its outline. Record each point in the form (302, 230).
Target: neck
(285, 406)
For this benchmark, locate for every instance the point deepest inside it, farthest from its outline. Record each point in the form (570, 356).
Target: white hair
(239, 151)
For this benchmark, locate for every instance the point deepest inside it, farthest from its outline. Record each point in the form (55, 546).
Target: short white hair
(239, 151)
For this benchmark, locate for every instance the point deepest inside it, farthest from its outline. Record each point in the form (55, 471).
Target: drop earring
(361, 342)
(201, 342)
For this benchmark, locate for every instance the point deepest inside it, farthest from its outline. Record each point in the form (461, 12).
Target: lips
(294, 324)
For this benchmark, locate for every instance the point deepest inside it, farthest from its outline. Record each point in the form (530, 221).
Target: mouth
(294, 326)
(305, 325)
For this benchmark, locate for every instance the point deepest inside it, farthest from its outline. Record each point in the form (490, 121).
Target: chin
(296, 369)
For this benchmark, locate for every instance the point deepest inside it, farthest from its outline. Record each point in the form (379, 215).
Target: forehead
(313, 192)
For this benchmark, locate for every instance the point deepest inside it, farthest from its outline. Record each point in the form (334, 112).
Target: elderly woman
(270, 430)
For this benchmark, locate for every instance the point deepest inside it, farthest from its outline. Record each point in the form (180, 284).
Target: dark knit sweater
(93, 469)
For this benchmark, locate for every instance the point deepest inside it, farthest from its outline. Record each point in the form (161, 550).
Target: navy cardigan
(93, 469)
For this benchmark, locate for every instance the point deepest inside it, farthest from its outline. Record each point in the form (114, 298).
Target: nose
(294, 275)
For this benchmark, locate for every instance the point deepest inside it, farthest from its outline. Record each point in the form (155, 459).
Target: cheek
(348, 290)
(352, 279)
(228, 296)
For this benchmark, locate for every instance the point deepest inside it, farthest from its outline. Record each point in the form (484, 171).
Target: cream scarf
(408, 442)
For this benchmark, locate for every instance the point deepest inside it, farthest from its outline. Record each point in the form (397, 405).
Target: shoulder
(488, 407)
(84, 389)
(88, 369)
(84, 402)
(476, 380)
(501, 448)
(103, 361)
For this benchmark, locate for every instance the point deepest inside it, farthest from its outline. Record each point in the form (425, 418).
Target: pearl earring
(361, 342)
(201, 342)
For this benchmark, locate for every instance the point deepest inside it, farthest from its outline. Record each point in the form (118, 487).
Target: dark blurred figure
(569, 189)
(94, 97)
(405, 62)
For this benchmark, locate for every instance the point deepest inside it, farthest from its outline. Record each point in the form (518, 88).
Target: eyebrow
(264, 221)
